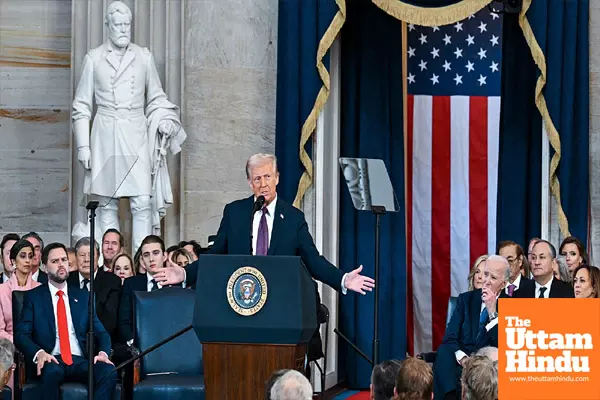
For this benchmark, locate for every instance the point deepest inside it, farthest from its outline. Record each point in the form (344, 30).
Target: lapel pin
(281, 215)
(75, 300)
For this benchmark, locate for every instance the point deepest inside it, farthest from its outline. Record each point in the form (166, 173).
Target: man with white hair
(292, 386)
(473, 325)
(7, 351)
(133, 128)
(489, 352)
(264, 224)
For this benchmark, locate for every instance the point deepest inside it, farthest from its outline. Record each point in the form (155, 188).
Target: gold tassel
(431, 16)
(540, 102)
(309, 126)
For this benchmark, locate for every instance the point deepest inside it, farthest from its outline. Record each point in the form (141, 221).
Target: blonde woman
(476, 274)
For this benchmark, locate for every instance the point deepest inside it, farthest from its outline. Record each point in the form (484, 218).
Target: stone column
(158, 25)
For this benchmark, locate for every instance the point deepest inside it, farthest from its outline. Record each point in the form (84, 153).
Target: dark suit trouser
(105, 377)
(446, 373)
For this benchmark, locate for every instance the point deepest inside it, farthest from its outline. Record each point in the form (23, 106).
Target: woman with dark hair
(586, 282)
(572, 249)
(8, 241)
(123, 266)
(21, 259)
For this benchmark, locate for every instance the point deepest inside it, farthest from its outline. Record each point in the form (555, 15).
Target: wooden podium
(254, 315)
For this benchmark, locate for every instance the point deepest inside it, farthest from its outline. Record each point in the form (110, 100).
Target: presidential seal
(247, 291)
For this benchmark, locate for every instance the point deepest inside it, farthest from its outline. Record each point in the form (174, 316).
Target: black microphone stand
(92, 205)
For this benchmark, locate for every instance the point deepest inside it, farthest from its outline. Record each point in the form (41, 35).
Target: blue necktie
(483, 318)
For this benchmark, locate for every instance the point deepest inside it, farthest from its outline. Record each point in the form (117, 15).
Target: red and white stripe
(452, 180)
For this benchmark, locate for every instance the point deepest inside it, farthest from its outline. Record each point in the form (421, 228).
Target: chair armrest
(20, 370)
(137, 367)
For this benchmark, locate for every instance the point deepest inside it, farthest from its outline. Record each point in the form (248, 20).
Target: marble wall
(230, 87)
(35, 43)
(595, 127)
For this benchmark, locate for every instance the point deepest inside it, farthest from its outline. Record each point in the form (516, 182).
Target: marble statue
(134, 127)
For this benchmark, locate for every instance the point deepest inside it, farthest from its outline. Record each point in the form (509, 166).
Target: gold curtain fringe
(540, 102)
(431, 16)
(309, 126)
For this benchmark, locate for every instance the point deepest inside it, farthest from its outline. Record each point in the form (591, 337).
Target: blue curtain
(301, 25)
(561, 29)
(372, 127)
(520, 166)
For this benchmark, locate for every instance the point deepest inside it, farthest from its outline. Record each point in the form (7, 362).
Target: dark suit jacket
(290, 237)
(525, 287)
(137, 283)
(42, 278)
(37, 328)
(462, 333)
(107, 288)
(558, 290)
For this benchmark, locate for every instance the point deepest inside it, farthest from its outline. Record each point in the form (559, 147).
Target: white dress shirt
(150, 278)
(35, 275)
(81, 278)
(75, 349)
(547, 286)
(517, 283)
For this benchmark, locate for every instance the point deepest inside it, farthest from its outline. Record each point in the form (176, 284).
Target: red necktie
(63, 330)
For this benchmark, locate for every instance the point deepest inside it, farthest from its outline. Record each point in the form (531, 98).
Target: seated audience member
(414, 381)
(21, 257)
(476, 274)
(112, 245)
(181, 257)
(473, 325)
(560, 270)
(532, 242)
(7, 243)
(123, 266)
(193, 248)
(516, 257)
(170, 251)
(586, 282)
(153, 257)
(137, 263)
(480, 379)
(543, 255)
(38, 246)
(574, 253)
(292, 386)
(52, 332)
(271, 381)
(72, 259)
(7, 351)
(107, 286)
(383, 380)
(489, 352)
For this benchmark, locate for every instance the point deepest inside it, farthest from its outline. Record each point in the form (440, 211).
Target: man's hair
(152, 239)
(480, 379)
(7, 351)
(506, 243)
(489, 352)
(117, 7)
(503, 261)
(171, 249)
(49, 248)
(292, 386)
(550, 245)
(383, 379)
(17, 247)
(414, 380)
(271, 381)
(113, 230)
(8, 237)
(85, 241)
(258, 160)
(35, 236)
(195, 245)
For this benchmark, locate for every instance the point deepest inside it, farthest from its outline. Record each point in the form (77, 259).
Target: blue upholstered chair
(174, 370)
(430, 357)
(26, 387)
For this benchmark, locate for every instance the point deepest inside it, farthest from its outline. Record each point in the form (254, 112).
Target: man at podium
(264, 224)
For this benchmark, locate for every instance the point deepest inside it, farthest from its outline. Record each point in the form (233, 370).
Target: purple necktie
(262, 241)
(511, 290)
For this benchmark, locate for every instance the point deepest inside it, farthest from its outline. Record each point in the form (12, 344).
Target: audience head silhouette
(292, 385)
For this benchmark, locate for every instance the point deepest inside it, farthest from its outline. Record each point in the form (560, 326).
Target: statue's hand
(166, 128)
(84, 155)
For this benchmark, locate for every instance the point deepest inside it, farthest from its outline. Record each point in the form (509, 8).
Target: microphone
(258, 204)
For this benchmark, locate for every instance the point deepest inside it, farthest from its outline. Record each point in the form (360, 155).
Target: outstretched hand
(173, 274)
(359, 283)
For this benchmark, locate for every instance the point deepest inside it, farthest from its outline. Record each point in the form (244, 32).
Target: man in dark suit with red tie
(52, 332)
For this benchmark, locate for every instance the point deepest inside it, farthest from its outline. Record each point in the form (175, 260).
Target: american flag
(452, 164)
